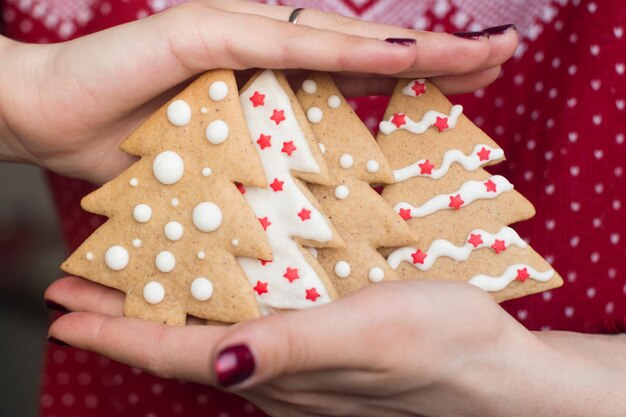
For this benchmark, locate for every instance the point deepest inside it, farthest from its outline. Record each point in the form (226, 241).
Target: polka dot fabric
(558, 110)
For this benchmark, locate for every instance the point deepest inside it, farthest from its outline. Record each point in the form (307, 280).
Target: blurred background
(31, 251)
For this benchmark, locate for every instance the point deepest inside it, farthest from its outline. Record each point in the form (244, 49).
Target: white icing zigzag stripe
(469, 192)
(477, 239)
(429, 119)
(470, 162)
(518, 271)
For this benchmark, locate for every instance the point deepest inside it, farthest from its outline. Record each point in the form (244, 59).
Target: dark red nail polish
(500, 30)
(401, 41)
(56, 306)
(56, 341)
(234, 365)
(472, 35)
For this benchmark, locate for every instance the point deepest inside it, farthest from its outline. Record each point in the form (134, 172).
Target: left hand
(412, 348)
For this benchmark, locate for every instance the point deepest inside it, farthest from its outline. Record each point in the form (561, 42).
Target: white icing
(281, 209)
(334, 101)
(322, 148)
(342, 269)
(346, 161)
(314, 114)
(116, 258)
(137, 243)
(217, 132)
(492, 284)
(470, 162)
(470, 191)
(89, 256)
(201, 289)
(133, 182)
(173, 231)
(218, 91)
(201, 254)
(443, 248)
(428, 119)
(206, 171)
(179, 113)
(142, 213)
(372, 166)
(234, 242)
(175, 202)
(376, 274)
(207, 216)
(309, 86)
(407, 90)
(153, 292)
(204, 110)
(168, 167)
(342, 192)
(165, 261)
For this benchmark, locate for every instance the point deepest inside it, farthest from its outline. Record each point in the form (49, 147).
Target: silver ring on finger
(293, 17)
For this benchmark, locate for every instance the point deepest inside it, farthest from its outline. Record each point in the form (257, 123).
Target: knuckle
(152, 360)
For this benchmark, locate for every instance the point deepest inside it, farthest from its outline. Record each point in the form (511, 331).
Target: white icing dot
(133, 182)
(217, 132)
(342, 269)
(372, 166)
(207, 216)
(116, 258)
(165, 261)
(204, 110)
(89, 256)
(142, 213)
(201, 289)
(342, 192)
(309, 86)
(346, 161)
(168, 167)
(334, 101)
(376, 274)
(218, 91)
(314, 114)
(313, 251)
(153, 292)
(322, 148)
(206, 171)
(201, 254)
(175, 202)
(137, 243)
(179, 113)
(173, 231)
(234, 242)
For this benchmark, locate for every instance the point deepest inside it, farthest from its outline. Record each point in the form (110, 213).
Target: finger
(81, 295)
(450, 84)
(168, 352)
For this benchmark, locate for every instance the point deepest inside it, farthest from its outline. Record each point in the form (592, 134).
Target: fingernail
(234, 365)
(401, 41)
(56, 306)
(500, 30)
(472, 35)
(56, 341)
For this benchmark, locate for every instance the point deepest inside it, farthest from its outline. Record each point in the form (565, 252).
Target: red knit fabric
(559, 112)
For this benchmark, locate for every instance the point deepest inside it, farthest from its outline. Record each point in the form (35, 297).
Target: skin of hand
(411, 348)
(67, 106)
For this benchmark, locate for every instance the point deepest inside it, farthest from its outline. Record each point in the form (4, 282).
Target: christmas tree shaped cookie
(290, 214)
(364, 220)
(177, 220)
(459, 212)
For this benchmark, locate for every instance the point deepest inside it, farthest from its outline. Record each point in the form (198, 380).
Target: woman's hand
(67, 106)
(400, 349)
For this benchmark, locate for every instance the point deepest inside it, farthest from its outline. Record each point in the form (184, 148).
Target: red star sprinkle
(261, 287)
(240, 187)
(483, 154)
(277, 185)
(426, 168)
(491, 186)
(456, 202)
(278, 116)
(522, 275)
(475, 240)
(419, 88)
(312, 294)
(264, 141)
(304, 214)
(257, 99)
(498, 246)
(419, 257)
(441, 123)
(265, 222)
(288, 148)
(291, 274)
(398, 119)
(405, 213)
(264, 262)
